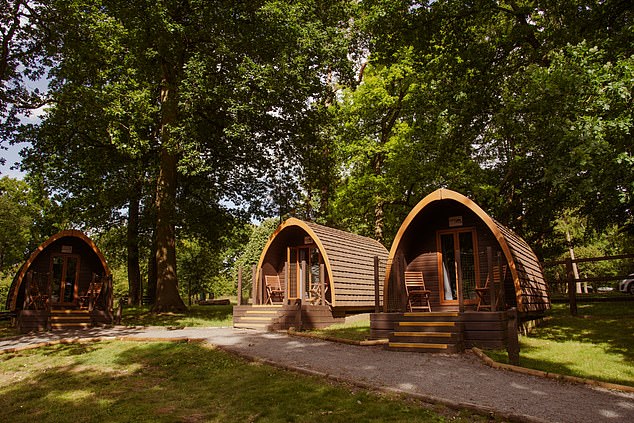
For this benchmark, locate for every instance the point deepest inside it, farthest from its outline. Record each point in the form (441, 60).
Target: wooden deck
(448, 331)
(283, 317)
(60, 319)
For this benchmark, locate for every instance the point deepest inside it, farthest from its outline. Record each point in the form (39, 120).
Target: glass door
(458, 265)
(303, 281)
(64, 279)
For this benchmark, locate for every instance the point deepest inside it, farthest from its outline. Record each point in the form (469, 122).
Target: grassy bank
(166, 382)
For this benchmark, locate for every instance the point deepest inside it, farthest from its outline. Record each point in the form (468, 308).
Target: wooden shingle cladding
(348, 260)
(416, 247)
(91, 261)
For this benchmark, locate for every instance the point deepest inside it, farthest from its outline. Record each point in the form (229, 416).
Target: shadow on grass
(125, 381)
(597, 344)
(608, 324)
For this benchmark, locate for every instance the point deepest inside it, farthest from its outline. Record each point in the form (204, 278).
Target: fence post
(512, 341)
(572, 292)
(239, 285)
(377, 302)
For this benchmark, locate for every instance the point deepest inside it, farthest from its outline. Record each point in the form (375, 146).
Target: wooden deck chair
(484, 292)
(88, 298)
(273, 289)
(35, 297)
(417, 294)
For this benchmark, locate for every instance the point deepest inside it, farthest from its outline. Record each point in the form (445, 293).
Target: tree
(523, 104)
(212, 94)
(24, 35)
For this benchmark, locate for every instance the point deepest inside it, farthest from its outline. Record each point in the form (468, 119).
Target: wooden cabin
(474, 271)
(324, 272)
(64, 284)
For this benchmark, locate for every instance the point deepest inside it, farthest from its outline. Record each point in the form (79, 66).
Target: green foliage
(251, 253)
(18, 213)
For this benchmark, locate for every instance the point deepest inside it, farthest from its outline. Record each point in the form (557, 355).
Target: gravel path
(459, 380)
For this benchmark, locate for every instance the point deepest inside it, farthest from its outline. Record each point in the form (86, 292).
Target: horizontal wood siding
(351, 259)
(534, 290)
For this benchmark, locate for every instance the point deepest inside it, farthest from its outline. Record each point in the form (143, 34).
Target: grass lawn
(597, 344)
(196, 315)
(167, 382)
(356, 330)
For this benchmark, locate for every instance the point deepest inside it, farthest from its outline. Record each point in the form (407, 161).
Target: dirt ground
(460, 380)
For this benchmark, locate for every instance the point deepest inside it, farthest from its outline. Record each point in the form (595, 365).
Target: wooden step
(428, 324)
(250, 325)
(423, 347)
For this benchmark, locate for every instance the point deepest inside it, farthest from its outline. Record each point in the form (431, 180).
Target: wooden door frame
(62, 282)
(300, 283)
(459, 283)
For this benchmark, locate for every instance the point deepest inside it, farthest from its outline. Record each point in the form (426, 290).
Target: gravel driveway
(456, 380)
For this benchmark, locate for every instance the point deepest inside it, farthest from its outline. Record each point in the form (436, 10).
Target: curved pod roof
(525, 268)
(348, 259)
(70, 233)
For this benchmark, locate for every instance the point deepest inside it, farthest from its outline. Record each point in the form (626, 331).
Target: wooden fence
(571, 283)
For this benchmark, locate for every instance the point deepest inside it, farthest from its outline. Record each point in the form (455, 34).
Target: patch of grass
(597, 344)
(356, 330)
(195, 316)
(166, 382)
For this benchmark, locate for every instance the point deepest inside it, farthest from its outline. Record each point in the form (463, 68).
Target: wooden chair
(87, 300)
(273, 289)
(36, 298)
(417, 294)
(484, 292)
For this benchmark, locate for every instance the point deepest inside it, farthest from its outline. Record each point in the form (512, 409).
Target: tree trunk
(151, 271)
(167, 296)
(134, 269)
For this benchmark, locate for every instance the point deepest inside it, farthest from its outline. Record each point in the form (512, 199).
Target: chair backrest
(273, 281)
(498, 275)
(414, 280)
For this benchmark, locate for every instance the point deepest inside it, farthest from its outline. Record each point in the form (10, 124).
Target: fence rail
(571, 282)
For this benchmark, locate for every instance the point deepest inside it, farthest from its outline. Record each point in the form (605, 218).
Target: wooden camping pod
(348, 260)
(55, 277)
(322, 273)
(447, 215)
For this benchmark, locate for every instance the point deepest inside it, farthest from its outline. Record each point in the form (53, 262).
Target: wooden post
(298, 314)
(491, 279)
(400, 277)
(512, 341)
(254, 284)
(27, 289)
(119, 313)
(302, 282)
(322, 284)
(377, 301)
(459, 286)
(572, 295)
(239, 285)
(502, 277)
(287, 275)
